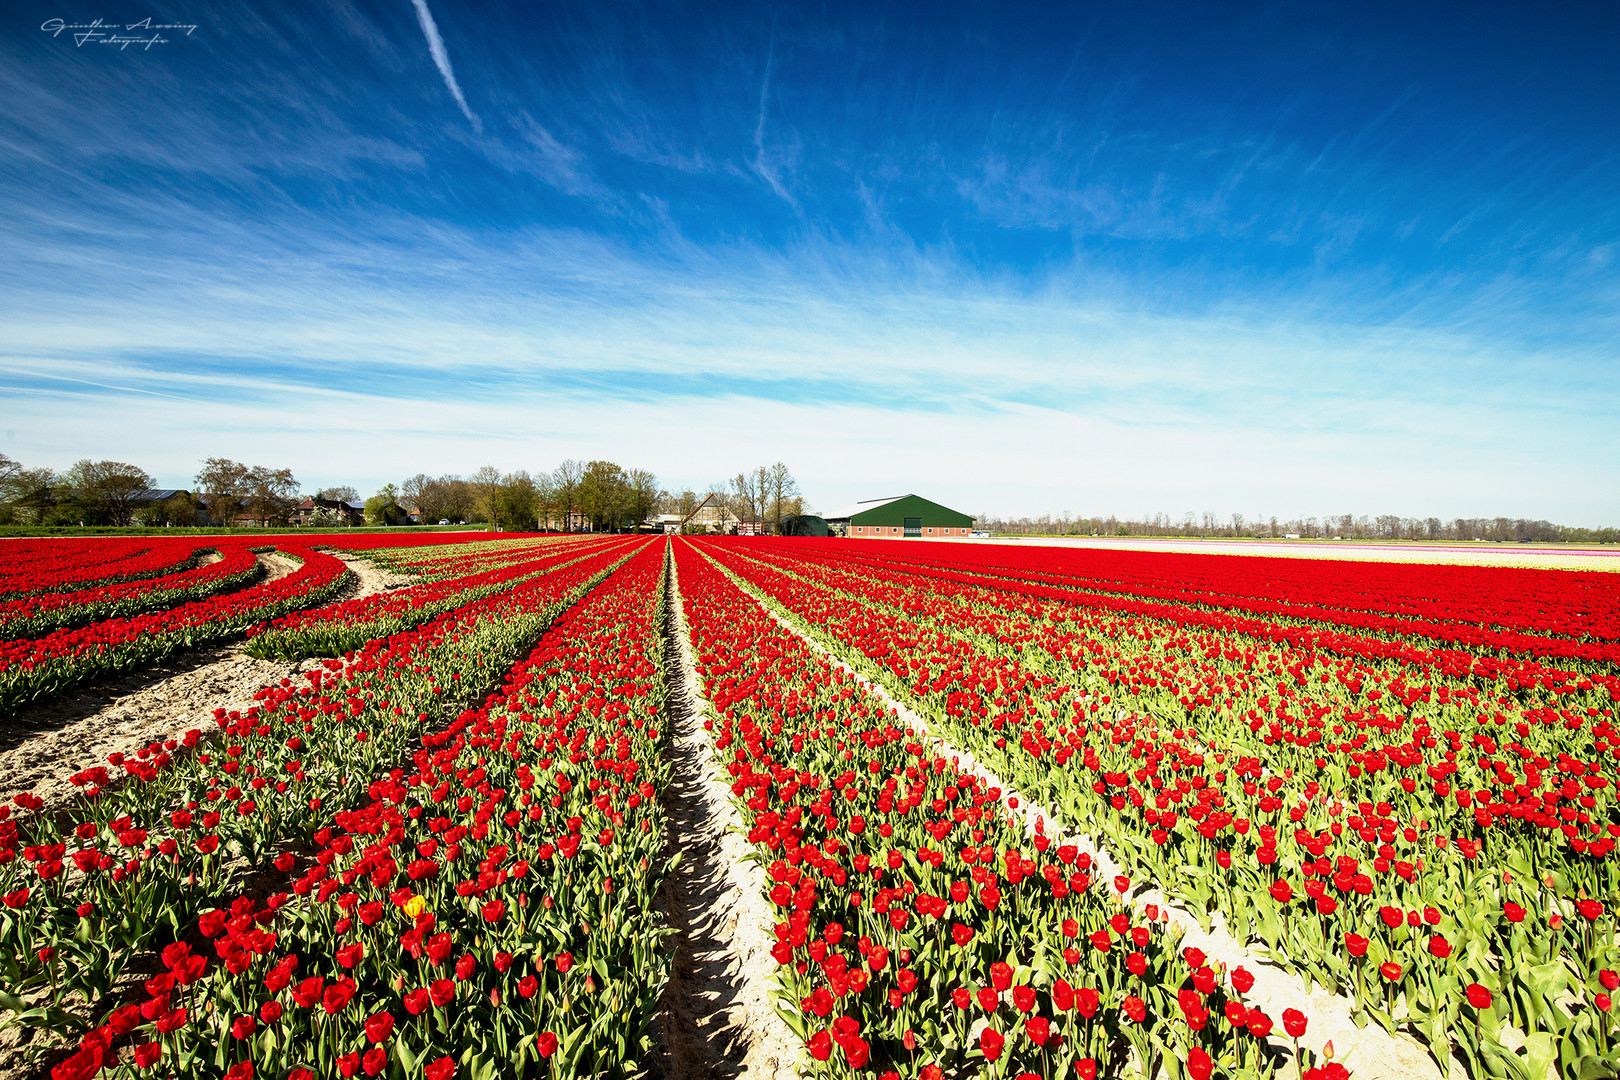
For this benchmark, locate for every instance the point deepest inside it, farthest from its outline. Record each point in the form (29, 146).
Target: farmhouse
(900, 516)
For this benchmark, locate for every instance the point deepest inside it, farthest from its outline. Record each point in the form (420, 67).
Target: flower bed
(921, 929)
(149, 849)
(42, 612)
(341, 627)
(1402, 856)
(477, 913)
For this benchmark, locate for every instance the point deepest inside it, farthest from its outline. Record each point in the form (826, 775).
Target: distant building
(898, 517)
(715, 517)
(301, 515)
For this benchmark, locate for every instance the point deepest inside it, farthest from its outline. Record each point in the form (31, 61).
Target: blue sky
(1272, 259)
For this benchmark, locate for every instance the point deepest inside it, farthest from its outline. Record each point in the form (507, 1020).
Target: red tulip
(546, 1044)
(1294, 1023)
(1478, 996)
(1390, 970)
(379, 1027)
(990, 1043)
(1199, 1064)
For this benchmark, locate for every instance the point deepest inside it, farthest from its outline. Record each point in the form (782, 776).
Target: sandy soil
(718, 1018)
(1371, 1053)
(41, 746)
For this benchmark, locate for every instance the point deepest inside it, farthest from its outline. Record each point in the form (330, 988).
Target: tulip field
(1397, 780)
(439, 848)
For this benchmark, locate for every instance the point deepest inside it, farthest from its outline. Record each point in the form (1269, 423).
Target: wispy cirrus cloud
(441, 60)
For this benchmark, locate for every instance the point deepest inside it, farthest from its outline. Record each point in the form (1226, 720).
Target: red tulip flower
(1294, 1023)
(1478, 996)
(990, 1043)
(379, 1027)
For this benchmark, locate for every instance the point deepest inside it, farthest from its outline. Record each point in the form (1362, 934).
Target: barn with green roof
(899, 517)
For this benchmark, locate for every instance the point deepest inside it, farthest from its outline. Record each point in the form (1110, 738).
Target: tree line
(574, 496)
(1326, 527)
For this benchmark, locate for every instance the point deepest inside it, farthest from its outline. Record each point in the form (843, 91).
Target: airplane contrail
(442, 59)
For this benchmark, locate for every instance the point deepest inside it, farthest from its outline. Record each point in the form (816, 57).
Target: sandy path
(718, 1018)
(41, 746)
(1371, 1053)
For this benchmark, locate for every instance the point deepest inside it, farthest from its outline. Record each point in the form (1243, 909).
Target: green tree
(519, 500)
(604, 495)
(106, 491)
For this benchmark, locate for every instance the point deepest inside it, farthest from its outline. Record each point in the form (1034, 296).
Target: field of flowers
(439, 847)
(1403, 796)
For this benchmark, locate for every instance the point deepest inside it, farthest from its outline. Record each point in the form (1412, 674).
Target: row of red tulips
(54, 565)
(40, 613)
(921, 930)
(1196, 797)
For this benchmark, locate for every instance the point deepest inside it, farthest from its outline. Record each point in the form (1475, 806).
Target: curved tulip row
(1561, 603)
(41, 613)
(159, 835)
(32, 668)
(54, 565)
(1402, 857)
(342, 627)
(1591, 646)
(921, 931)
(480, 911)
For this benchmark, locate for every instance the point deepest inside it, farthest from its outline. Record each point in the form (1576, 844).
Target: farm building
(900, 516)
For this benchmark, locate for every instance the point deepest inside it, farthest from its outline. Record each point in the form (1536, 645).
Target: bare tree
(781, 488)
(270, 493)
(412, 490)
(222, 485)
(750, 487)
(341, 493)
(10, 471)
